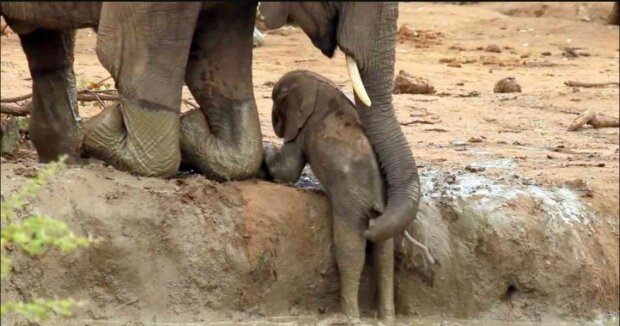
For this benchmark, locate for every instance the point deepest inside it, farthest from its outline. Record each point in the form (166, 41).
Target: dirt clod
(494, 48)
(507, 85)
(404, 83)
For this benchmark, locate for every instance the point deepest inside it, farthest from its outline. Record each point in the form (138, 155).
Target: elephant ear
(275, 13)
(291, 114)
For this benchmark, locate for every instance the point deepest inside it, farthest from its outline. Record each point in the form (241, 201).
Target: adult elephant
(151, 49)
(47, 34)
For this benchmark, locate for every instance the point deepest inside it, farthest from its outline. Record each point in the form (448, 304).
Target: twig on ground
(596, 120)
(25, 109)
(589, 85)
(86, 94)
(88, 89)
(427, 122)
(19, 111)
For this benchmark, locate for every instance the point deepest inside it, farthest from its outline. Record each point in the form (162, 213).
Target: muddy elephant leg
(383, 260)
(54, 117)
(350, 247)
(223, 138)
(145, 48)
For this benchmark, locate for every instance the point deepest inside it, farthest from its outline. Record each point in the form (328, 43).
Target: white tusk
(356, 79)
(425, 251)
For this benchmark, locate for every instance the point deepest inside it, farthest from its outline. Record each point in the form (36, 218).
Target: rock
(12, 135)
(259, 38)
(454, 65)
(405, 83)
(507, 85)
(570, 52)
(190, 249)
(546, 53)
(493, 48)
(474, 168)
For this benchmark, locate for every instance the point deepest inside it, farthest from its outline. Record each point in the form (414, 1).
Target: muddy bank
(190, 250)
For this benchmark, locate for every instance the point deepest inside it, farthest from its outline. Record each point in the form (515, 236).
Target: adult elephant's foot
(227, 148)
(142, 140)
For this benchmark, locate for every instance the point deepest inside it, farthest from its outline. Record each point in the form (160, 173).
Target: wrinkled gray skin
(47, 34)
(150, 49)
(320, 126)
(365, 31)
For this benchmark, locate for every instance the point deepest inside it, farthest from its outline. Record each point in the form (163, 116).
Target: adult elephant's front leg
(145, 48)
(54, 121)
(223, 138)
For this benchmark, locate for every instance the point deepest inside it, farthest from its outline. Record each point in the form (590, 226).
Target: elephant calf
(320, 125)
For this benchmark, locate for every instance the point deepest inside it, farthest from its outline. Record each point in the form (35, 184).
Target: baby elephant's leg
(383, 259)
(350, 246)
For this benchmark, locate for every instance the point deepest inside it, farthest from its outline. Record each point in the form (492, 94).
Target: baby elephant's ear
(300, 107)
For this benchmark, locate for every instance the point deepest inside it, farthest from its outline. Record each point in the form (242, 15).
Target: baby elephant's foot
(387, 315)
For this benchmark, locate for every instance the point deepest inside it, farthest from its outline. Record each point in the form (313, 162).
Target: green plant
(34, 234)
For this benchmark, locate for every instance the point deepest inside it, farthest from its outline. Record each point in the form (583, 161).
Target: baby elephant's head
(295, 97)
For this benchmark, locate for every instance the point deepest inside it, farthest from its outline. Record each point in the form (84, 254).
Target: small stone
(507, 85)
(546, 54)
(570, 52)
(474, 168)
(447, 60)
(258, 38)
(454, 65)
(457, 46)
(475, 140)
(493, 48)
(405, 83)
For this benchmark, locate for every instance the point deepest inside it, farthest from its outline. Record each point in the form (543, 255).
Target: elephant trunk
(385, 134)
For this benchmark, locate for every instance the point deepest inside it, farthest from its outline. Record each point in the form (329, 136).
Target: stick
(596, 120)
(588, 85)
(86, 89)
(417, 121)
(25, 109)
(581, 120)
(425, 251)
(19, 111)
(603, 121)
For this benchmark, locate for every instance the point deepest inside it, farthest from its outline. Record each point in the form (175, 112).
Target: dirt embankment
(190, 250)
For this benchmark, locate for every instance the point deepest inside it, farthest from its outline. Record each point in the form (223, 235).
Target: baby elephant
(320, 126)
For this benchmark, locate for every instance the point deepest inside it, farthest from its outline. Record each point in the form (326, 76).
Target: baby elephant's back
(343, 160)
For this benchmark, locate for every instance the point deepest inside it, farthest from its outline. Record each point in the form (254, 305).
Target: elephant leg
(54, 117)
(144, 46)
(383, 260)
(223, 138)
(350, 247)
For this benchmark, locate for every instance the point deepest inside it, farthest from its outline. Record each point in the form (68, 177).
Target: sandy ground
(529, 127)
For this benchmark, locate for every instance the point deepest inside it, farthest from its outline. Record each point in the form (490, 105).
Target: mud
(192, 250)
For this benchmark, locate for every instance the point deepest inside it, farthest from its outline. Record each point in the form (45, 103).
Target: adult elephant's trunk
(376, 67)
